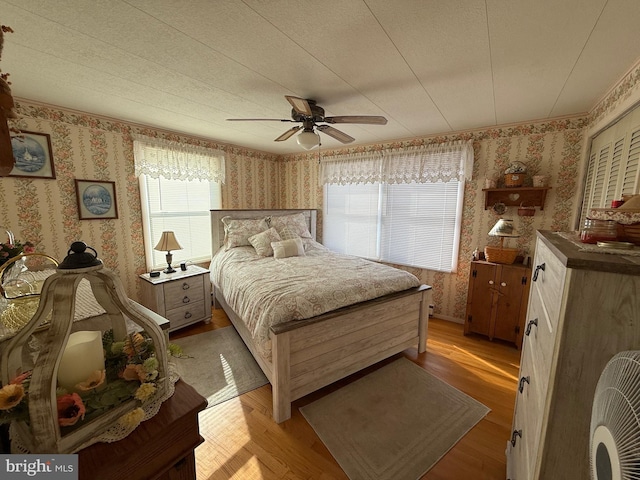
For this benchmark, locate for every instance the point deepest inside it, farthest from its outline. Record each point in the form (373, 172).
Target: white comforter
(265, 291)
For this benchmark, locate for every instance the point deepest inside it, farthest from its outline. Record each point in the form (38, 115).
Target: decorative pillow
(296, 222)
(262, 242)
(288, 248)
(238, 230)
(287, 234)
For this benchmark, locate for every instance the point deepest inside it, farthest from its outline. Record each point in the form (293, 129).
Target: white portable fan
(615, 420)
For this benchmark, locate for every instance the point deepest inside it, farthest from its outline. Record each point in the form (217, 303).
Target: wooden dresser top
(572, 256)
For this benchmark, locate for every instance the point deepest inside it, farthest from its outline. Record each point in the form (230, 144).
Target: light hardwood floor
(243, 442)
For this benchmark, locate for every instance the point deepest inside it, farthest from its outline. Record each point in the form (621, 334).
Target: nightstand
(183, 297)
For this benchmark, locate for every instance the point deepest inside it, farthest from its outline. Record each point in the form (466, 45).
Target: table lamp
(167, 243)
(504, 229)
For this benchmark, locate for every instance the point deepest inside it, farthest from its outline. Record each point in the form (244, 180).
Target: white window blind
(393, 218)
(182, 206)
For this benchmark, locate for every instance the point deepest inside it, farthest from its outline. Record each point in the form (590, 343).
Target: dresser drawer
(531, 396)
(519, 459)
(540, 332)
(182, 292)
(549, 280)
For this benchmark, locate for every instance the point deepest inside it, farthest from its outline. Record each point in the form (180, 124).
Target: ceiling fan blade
(300, 105)
(364, 119)
(335, 133)
(258, 120)
(287, 134)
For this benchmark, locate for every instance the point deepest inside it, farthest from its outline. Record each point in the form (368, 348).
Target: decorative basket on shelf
(514, 175)
(526, 211)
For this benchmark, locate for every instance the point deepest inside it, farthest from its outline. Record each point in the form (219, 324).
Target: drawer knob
(531, 323)
(186, 299)
(514, 437)
(503, 284)
(523, 380)
(542, 266)
(188, 315)
(185, 286)
(490, 282)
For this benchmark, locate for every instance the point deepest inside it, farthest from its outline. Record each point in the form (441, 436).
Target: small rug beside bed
(218, 365)
(395, 423)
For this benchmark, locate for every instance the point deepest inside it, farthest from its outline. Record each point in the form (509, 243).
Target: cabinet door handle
(504, 284)
(490, 282)
(186, 299)
(514, 436)
(523, 380)
(542, 266)
(185, 286)
(188, 315)
(531, 323)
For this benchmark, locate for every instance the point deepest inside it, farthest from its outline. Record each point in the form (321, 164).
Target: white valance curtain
(177, 161)
(415, 164)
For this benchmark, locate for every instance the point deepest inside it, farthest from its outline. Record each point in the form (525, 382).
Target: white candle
(82, 356)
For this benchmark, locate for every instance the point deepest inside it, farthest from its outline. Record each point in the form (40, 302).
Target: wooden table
(160, 448)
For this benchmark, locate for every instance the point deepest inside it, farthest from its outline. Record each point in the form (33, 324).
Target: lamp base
(500, 255)
(169, 268)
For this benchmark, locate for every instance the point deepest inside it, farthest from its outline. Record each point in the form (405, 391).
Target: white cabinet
(583, 309)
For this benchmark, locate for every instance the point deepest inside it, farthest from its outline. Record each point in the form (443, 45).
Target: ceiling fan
(306, 111)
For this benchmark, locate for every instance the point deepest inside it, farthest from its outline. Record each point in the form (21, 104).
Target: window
(376, 209)
(183, 207)
(179, 185)
(613, 169)
(415, 224)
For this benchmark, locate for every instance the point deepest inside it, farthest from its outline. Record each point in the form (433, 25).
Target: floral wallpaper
(551, 148)
(86, 146)
(44, 211)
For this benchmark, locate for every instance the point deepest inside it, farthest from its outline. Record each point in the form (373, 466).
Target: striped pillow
(288, 248)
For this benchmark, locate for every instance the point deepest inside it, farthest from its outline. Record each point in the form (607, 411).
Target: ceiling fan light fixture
(308, 139)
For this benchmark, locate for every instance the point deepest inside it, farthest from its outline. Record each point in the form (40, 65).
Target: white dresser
(583, 309)
(182, 297)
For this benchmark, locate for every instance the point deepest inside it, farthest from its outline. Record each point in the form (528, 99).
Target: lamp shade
(503, 228)
(168, 242)
(308, 139)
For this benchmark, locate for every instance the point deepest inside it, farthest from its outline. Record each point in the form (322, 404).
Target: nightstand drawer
(183, 292)
(186, 314)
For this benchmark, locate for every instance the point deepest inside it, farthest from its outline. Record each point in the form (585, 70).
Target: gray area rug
(221, 367)
(395, 423)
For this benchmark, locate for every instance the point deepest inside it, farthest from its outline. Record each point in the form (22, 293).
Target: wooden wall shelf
(516, 196)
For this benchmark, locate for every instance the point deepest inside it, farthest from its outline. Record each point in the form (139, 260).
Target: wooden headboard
(217, 227)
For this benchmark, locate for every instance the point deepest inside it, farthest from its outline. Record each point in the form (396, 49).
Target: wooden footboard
(310, 354)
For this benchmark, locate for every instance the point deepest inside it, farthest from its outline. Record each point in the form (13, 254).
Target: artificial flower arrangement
(131, 372)
(10, 250)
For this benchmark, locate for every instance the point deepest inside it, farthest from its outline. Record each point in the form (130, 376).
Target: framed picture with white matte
(32, 155)
(96, 199)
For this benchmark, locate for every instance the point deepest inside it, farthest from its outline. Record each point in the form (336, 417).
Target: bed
(306, 354)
